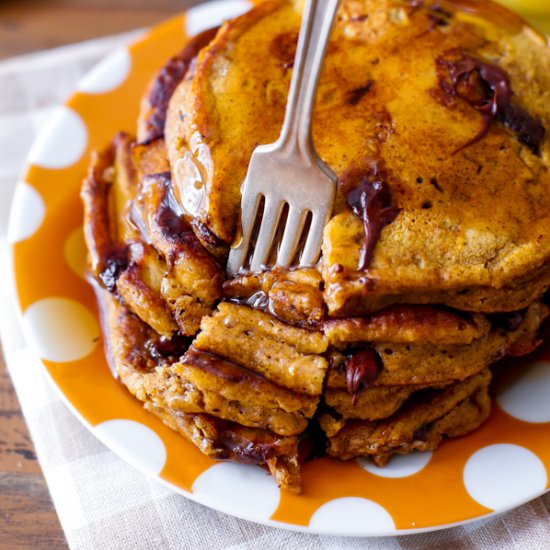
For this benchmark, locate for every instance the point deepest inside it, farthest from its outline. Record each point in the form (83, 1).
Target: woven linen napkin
(102, 502)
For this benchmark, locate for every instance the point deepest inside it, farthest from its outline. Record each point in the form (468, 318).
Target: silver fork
(289, 171)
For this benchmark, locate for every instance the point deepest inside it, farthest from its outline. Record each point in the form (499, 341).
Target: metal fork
(289, 171)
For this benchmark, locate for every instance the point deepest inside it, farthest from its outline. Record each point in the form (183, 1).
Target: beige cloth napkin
(102, 502)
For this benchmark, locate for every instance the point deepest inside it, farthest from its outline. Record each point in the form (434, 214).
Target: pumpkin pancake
(434, 265)
(420, 425)
(434, 112)
(153, 370)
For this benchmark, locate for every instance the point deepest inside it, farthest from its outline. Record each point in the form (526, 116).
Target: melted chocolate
(355, 96)
(247, 445)
(362, 369)
(486, 87)
(245, 450)
(115, 264)
(173, 226)
(435, 184)
(368, 195)
(529, 130)
(438, 16)
(509, 322)
(167, 349)
(168, 79)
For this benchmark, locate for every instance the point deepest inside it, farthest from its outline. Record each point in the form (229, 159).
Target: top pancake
(475, 217)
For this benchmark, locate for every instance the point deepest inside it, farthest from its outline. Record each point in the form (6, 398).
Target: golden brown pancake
(139, 247)
(153, 373)
(420, 426)
(434, 116)
(473, 218)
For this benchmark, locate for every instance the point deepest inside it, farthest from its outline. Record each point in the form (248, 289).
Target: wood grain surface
(29, 25)
(27, 517)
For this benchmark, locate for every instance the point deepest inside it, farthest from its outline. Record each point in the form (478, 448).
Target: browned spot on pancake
(209, 240)
(283, 47)
(356, 95)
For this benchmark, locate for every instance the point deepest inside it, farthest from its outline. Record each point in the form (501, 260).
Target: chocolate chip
(486, 88)
(368, 195)
(362, 369)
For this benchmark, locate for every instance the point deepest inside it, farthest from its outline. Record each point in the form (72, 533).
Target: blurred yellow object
(536, 11)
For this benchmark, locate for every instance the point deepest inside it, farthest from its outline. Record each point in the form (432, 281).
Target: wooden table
(27, 517)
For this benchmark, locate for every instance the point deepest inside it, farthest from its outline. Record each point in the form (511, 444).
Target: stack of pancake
(434, 266)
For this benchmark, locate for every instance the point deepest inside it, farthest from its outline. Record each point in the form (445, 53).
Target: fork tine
(237, 255)
(268, 228)
(291, 237)
(312, 248)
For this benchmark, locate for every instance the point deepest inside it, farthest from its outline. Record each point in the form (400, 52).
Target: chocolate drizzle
(486, 87)
(115, 264)
(368, 195)
(362, 370)
(167, 349)
(529, 130)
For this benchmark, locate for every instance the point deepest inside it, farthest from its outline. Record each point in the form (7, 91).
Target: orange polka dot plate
(502, 465)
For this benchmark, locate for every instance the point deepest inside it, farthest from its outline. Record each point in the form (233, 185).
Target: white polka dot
(107, 75)
(62, 142)
(135, 443)
(245, 490)
(27, 213)
(75, 252)
(528, 397)
(352, 516)
(502, 476)
(398, 466)
(212, 14)
(61, 330)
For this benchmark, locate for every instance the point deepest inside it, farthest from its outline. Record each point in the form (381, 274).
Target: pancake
(470, 192)
(423, 362)
(434, 265)
(420, 426)
(150, 368)
(139, 246)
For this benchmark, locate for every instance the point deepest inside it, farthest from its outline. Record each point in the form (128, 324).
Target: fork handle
(317, 21)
